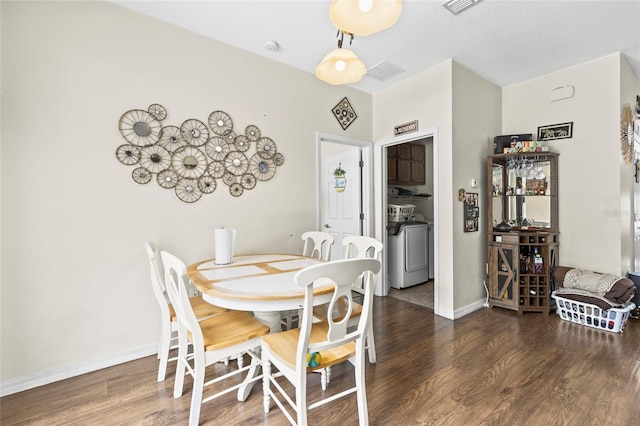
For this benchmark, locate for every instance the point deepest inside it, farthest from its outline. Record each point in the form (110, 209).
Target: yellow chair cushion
(284, 345)
(230, 328)
(201, 309)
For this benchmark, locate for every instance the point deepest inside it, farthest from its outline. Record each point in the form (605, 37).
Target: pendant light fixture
(341, 66)
(364, 17)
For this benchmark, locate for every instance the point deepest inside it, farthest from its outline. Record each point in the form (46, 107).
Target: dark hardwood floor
(491, 367)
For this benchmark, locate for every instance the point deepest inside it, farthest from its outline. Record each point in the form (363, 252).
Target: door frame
(381, 193)
(366, 149)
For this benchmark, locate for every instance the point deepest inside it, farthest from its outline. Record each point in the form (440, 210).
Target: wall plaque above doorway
(406, 128)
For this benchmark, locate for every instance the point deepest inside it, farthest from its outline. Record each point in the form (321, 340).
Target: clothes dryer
(409, 253)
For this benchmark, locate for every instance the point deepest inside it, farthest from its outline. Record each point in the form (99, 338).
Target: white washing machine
(410, 253)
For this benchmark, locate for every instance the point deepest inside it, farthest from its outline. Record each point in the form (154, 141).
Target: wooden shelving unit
(522, 259)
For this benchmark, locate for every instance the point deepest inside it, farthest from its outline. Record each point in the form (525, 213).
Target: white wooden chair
(168, 319)
(316, 244)
(214, 339)
(287, 351)
(356, 247)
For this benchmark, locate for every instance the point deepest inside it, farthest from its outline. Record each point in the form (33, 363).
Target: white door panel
(341, 212)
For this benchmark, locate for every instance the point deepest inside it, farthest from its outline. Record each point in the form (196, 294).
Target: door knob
(326, 225)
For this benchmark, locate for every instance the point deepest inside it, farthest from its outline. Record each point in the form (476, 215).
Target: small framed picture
(555, 131)
(471, 212)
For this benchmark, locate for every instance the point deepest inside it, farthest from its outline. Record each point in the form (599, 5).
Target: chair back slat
(342, 273)
(317, 244)
(176, 284)
(361, 247)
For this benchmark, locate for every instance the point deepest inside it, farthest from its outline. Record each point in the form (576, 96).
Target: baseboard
(19, 384)
(471, 307)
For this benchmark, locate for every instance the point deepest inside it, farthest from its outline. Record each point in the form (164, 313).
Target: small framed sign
(406, 128)
(555, 131)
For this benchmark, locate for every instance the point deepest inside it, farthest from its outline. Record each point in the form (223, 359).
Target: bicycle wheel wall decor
(190, 158)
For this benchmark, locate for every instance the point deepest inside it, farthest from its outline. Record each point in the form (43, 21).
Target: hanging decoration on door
(191, 158)
(471, 212)
(344, 113)
(340, 179)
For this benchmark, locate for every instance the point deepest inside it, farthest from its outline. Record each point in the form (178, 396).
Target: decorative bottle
(538, 262)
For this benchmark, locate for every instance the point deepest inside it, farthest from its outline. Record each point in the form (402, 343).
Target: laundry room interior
(410, 221)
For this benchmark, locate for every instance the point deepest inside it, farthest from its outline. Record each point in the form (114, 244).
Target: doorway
(345, 201)
(381, 230)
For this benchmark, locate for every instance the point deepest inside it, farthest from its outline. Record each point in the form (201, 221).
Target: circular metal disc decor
(187, 190)
(248, 181)
(207, 184)
(228, 178)
(262, 169)
(194, 132)
(171, 139)
(155, 158)
(191, 158)
(230, 137)
(158, 111)
(252, 133)
(220, 122)
(278, 159)
(216, 169)
(236, 189)
(241, 143)
(128, 154)
(168, 179)
(217, 148)
(266, 148)
(139, 127)
(236, 163)
(141, 175)
(189, 162)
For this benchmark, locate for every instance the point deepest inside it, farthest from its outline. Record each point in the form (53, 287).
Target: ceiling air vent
(384, 71)
(457, 6)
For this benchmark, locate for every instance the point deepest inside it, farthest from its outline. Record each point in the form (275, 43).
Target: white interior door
(342, 205)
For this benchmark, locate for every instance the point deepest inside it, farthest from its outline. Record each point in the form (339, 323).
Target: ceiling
(504, 41)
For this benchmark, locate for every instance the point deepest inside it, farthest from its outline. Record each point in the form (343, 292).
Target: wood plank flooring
(491, 367)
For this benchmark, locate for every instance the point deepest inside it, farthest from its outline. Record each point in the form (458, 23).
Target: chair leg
(361, 392)
(163, 352)
(183, 350)
(323, 378)
(371, 344)
(198, 385)
(301, 400)
(266, 377)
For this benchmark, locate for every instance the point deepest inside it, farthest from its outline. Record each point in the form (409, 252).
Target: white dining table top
(263, 282)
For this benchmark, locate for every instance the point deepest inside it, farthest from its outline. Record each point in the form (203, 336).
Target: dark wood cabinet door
(403, 151)
(403, 172)
(417, 152)
(392, 170)
(417, 173)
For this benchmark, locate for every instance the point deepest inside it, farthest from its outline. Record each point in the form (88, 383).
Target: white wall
(476, 121)
(426, 98)
(593, 206)
(75, 287)
(465, 110)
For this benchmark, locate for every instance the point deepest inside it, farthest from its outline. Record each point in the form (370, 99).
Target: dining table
(261, 283)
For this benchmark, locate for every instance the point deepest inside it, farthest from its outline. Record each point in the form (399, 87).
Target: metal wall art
(192, 157)
(344, 113)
